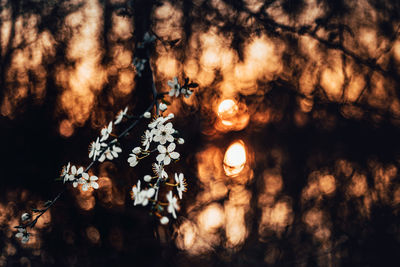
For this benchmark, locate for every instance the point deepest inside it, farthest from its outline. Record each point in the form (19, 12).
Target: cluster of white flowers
(99, 149)
(160, 133)
(177, 89)
(23, 234)
(79, 177)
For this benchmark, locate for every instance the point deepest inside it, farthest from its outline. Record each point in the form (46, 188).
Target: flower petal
(167, 160)
(161, 149)
(171, 147)
(174, 155)
(94, 185)
(160, 157)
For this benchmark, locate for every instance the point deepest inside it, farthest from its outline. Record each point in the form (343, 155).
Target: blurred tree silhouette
(318, 81)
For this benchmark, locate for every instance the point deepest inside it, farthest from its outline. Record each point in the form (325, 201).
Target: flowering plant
(160, 140)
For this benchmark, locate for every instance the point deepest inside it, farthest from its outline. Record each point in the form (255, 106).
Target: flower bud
(136, 150)
(181, 141)
(164, 220)
(25, 216)
(147, 115)
(147, 178)
(163, 106)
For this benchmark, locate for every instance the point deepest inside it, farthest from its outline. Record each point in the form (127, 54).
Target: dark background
(40, 132)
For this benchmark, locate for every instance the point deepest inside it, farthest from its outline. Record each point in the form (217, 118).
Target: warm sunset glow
(227, 107)
(232, 115)
(226, 110)
(235, 159)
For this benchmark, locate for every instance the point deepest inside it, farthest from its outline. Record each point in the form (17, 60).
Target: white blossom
(81, 180)
(181, 184)
(172, 204)
(110, 153)
(181, 141)
(136, 150)
(160, 120)
(106, 131)
(65, 172)
(136, 194)
(147, 178)
(163, 133)
(146, 195)
(164, 220)
(147, 115)
(163, 106)
(120, 116)
(186, 92)
(23, 235)
(133, 160)
(90, 183)
(166, 154)
(159, 171)
(147, 139)
(175, 87)
(142, 196)
(25, 216)
(95, 148)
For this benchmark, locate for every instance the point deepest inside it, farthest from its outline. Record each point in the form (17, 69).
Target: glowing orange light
(235, 158)
(226, 110)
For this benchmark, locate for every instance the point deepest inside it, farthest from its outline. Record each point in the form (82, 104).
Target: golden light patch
(235, 158)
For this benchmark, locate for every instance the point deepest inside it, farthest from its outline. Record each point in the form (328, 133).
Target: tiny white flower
(166, 154)
(120, 116)
(159, 171)
(155, 122)
(136, 150)
(186, 92)
(136, 194)
(23, 234)
(147, 178)
(147, 115)
(163, 106)
(110, 153)
(95, 148)
(175, 87)
(164, 133)
(170, 116)
(164, 220)
(146, 195)
(80, 180)
(181, 141)
(106, 131)
(181, 184)
(147, 139)
(160, 120)
(25, 216)
(172, 204)
(65, 172)
(132, 160)
(91, 182)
